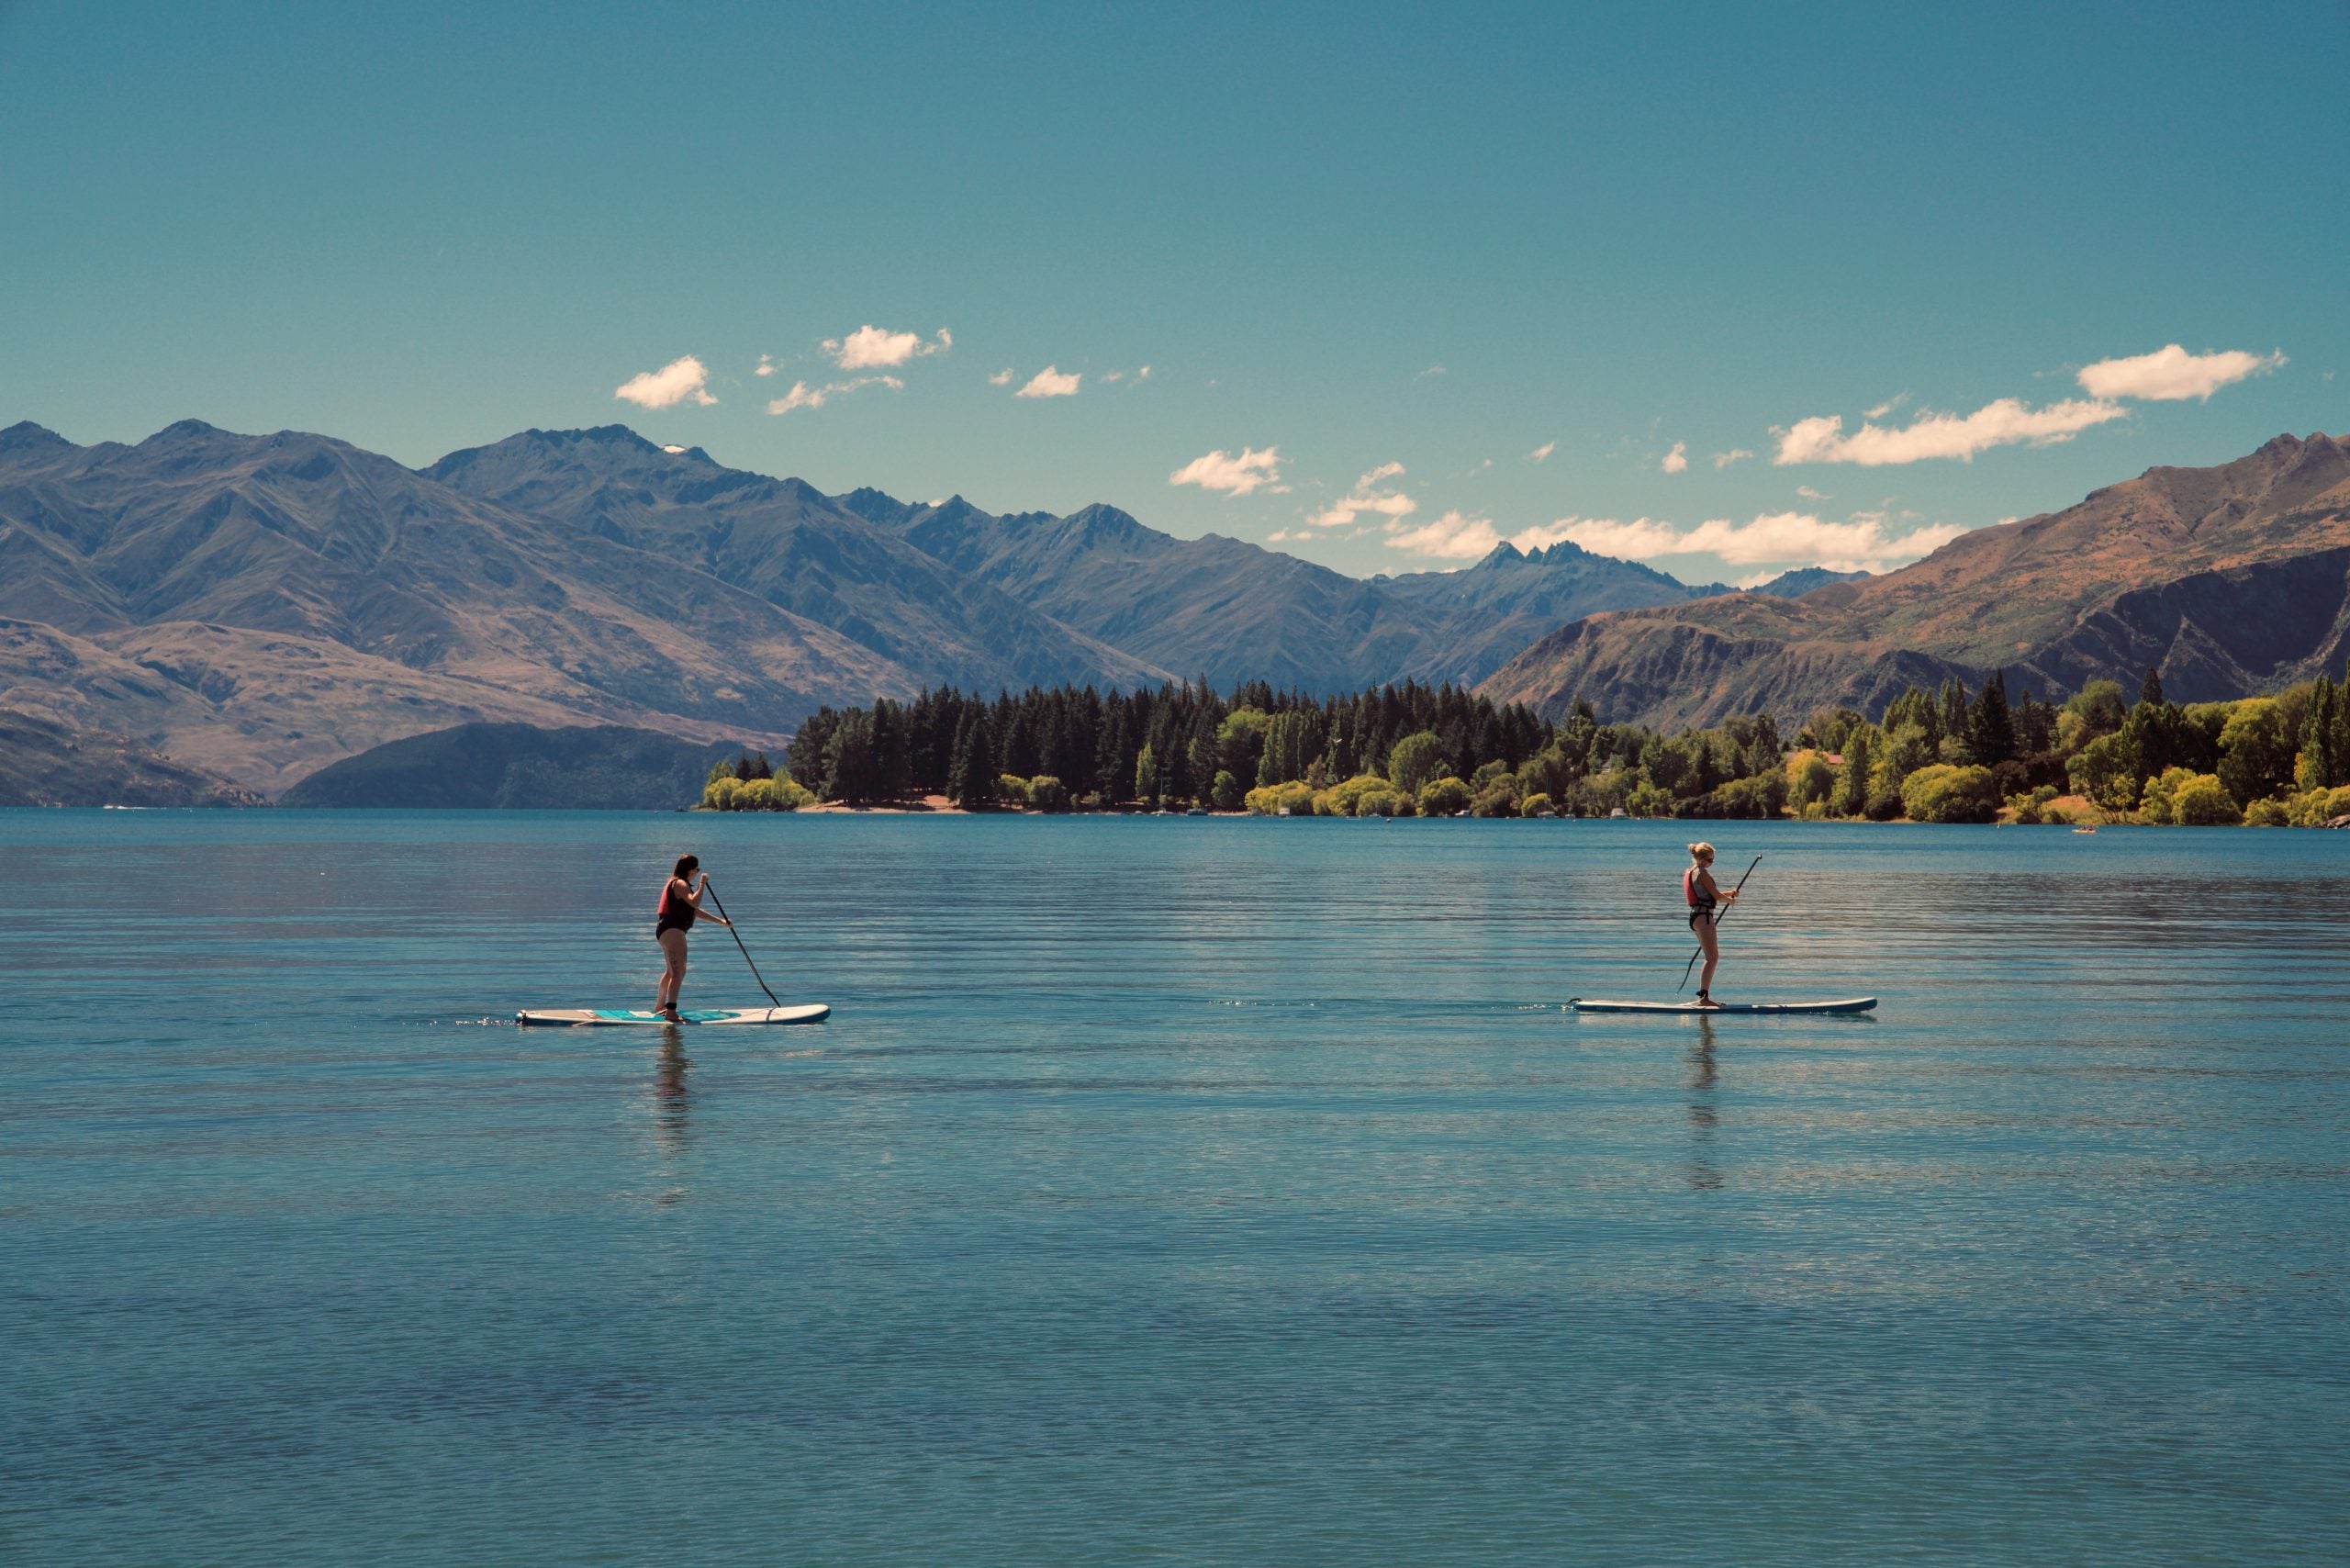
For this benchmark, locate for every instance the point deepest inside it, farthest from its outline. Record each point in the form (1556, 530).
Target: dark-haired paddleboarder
(681, 906)
(1705, 899)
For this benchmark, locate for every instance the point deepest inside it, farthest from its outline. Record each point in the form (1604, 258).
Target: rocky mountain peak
(27, 437)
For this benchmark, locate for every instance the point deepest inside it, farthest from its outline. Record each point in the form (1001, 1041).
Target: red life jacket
(1689, 889)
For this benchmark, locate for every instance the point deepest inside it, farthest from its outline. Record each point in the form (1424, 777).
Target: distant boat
(1619, 812)
(1197, 811)
(2084, 829)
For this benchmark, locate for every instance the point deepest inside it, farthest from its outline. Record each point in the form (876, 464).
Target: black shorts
(1703, 911)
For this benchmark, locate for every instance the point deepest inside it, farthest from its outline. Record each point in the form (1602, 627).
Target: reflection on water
(1704, 1118)
(672, 1106)
(1207, 1191)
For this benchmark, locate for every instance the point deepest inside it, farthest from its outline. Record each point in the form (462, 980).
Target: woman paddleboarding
(681, 906)
(1705, 899)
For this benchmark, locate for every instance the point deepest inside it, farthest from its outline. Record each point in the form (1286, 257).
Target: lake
(1177, 1190)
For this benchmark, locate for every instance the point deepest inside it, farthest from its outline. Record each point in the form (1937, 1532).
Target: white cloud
(766, 366)
(1002, 377)
(803, 395)
(2007, 423)
(1886, 406)
(1542, 452)
(1050, 383)
(1432, 370)
(1451, 537)
(870, 347)
(2170, 374)
(678, 381)
(1371, 494)
(1251, 471)
(1807, 493)
(1861, 543)
(1735, 455)
(1677, 460)
(1143, 375)
(1113, 376)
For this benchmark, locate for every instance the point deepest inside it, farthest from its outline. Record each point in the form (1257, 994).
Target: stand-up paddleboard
(1851, 1004)
(575, 1017)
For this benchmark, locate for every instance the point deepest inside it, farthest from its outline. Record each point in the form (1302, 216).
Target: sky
(1723, 290)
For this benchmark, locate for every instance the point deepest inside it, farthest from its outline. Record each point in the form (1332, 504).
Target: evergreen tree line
(1391, 750)
(1946, 755)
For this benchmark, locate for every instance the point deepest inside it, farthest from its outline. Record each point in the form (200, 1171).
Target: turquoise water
(1201, 1191)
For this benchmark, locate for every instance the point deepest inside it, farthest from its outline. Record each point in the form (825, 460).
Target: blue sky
(1376, 258)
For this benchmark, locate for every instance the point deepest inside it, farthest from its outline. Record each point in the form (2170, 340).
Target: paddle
(738, 941)
(1701, 946)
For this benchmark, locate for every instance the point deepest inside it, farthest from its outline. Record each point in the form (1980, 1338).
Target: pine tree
(1954, 711)
(2151, 688)
(2035, 725)
(1990, 727)
(1916, 706)
(971, 779)
(1111, 766)
(1147, 774)
(2325, 739)
(848, 771)
(1852, 796)
(2339, 769)
(807, 758)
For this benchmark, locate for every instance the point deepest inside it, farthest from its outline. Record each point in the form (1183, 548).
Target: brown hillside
(2228, 579)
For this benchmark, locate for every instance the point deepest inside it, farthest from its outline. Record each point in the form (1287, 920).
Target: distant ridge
(1237, 612)
(1802, 580)
(2229, 580)
(45, 763)
(511, 767)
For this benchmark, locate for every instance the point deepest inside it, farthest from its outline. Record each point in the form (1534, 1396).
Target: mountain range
(257, 607)
(222, 615)
(2227, 580)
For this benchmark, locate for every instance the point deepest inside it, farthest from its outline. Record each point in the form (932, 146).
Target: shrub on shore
(732, 794)
(1364, 795)
(1443, 797)
(1942, 792)
(2201, 801)
(1296, 797)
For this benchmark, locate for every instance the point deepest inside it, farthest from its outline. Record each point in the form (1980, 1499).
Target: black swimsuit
(1700, 907)
(675, 914)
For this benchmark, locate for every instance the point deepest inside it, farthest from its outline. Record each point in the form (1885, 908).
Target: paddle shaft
(1700, 953)
(738, 941)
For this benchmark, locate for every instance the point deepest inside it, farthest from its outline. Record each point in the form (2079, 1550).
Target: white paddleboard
(577, 1017)
(1850, 1004)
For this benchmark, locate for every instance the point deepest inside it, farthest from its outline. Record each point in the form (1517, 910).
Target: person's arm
(1714, 890)
(693, 897)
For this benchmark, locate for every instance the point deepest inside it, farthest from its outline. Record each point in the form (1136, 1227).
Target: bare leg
(673, 972)
(1713, 946)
